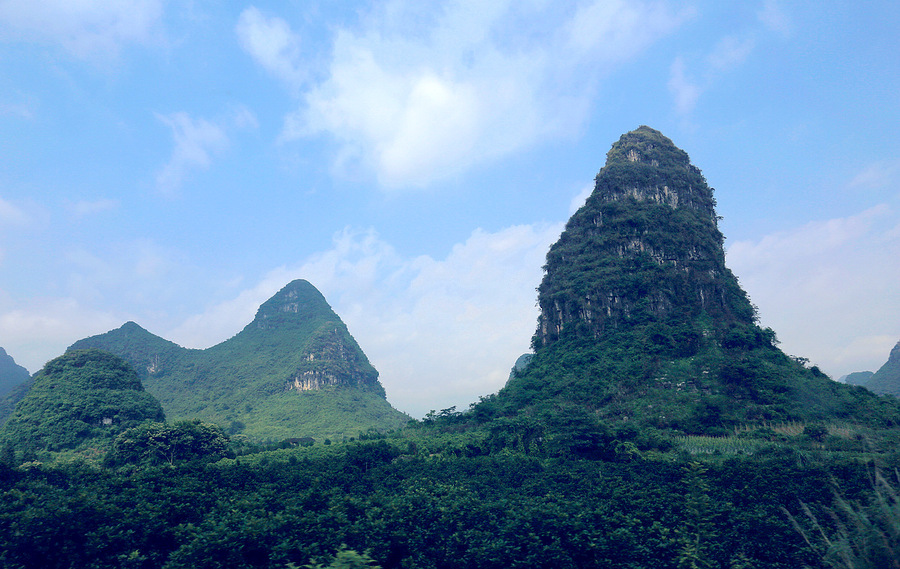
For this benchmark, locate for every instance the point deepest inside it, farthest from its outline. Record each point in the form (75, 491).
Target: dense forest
(462, 490)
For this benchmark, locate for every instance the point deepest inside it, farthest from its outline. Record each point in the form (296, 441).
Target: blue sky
(175, 163)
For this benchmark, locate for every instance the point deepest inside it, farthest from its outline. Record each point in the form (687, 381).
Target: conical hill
(294, 371)
(642, 322)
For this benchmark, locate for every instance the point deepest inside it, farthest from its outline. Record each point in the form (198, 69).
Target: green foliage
(854, 535)
(158, 443)
(345, 559)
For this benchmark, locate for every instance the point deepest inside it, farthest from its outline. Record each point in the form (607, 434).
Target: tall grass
(857, 536)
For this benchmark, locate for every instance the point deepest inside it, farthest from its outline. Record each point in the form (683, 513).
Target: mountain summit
(293, 371)
(642, 322)
(645, 246)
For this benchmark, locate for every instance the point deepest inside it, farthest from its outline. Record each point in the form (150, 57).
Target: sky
(177, 162)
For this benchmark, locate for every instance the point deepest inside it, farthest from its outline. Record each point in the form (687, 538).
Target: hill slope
(294, 371)
(641, 321)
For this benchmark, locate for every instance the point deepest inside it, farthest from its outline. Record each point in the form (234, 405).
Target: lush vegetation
(247, 384)
(456, 490)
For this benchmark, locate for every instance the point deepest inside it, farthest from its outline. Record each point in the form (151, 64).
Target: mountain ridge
(279, 377)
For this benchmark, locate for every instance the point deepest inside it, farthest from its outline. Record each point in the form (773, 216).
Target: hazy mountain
(77, 396)
(641, 321)
(294, 371)
(857, 378)
(11, 373)
(886, 380)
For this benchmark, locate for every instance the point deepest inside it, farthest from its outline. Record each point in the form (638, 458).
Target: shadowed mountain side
(642, 322)
(14, 382)
(11, 374)
(294, 371)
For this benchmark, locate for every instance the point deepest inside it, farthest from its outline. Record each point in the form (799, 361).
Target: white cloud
(730, 52)
(441, 332)
(194, 140)
(86, 28)
(827, 288)
(473, 83)
(272, 44)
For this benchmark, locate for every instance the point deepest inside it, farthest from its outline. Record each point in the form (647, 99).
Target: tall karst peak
(641, 322)
(644, 245)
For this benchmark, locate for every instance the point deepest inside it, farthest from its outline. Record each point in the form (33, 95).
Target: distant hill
(11, 374)
(294, 371)
(75, 397)
(641, 322)
(886, 380)
(857, 378)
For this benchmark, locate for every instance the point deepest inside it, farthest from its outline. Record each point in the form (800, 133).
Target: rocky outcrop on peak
(642, 322)
(645, 244)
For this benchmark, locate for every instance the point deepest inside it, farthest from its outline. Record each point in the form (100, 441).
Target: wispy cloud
(875, 175)
(87, 29)
(84, 208)
(479, 82)
(775, 18)
(684, 90)
(12, 215)
(272, 44)
(688, 80)
(195, 140)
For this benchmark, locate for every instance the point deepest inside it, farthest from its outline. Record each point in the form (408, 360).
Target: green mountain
(294, 371)
(858, 378)
(886, 381)
(641, 321)
(78, 396)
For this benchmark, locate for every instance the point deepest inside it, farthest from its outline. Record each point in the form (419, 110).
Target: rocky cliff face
(644, 245)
